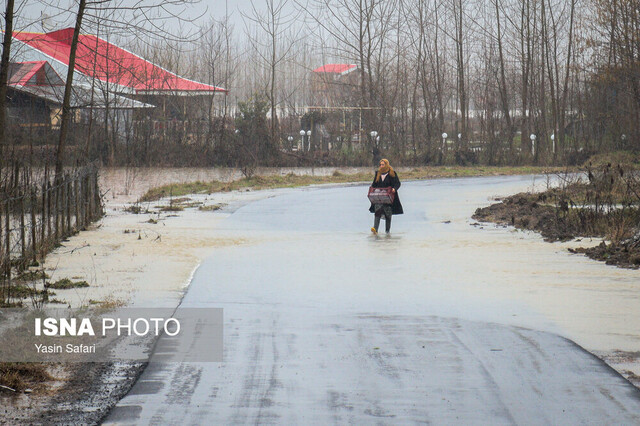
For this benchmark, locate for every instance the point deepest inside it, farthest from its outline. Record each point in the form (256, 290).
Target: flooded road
(441, 321)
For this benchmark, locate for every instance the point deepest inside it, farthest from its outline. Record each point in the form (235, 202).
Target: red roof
(109, 63)
(336, 68)
(34, 73)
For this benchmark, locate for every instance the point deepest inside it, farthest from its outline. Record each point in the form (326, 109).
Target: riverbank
(601, 203)
(291, 178)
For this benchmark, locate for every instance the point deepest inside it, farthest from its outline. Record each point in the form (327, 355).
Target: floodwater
(435, 259)
(442, 321)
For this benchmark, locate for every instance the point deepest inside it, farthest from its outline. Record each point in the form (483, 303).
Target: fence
(35, 217)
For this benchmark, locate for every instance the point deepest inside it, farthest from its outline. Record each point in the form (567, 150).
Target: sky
(59, 14)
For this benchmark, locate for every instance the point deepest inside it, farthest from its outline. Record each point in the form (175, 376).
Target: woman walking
(385, 177)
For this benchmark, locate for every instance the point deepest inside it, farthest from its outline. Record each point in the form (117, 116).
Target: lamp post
(290, 139)
(373, 135)
(309, 139)
(533, 144)
(624, 138)
(553, 143)
(444, 141)
(302, 133)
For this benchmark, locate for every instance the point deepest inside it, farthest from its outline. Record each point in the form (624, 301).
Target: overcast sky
(61, 13)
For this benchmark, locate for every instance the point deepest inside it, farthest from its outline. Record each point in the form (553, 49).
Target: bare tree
(459, 41)
(216, 65)
(502, 82)
(494, 72)
(272, 43)
(360, 29)
(66, 103)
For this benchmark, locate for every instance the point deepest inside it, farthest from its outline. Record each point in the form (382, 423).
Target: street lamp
(302, 133)
(290, 139)
(309, 139)
(444, 141)
(553, 143)
(533, 144)
(373, 135)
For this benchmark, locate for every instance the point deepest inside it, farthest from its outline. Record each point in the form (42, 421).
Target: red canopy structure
(107, 62)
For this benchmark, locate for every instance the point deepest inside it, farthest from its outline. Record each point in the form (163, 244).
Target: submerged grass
(292, 180)
(30, 276)
(66, 283)
(24, 291)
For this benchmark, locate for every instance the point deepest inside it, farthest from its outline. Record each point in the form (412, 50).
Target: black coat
(394, 182)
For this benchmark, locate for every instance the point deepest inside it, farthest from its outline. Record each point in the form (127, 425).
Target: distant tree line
(507, 81)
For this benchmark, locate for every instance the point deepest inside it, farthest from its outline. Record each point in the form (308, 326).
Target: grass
(108, 304)
(66, 283)
(21, 375)
(171, 208)
(182, 200)
(211, 208)
(30, 276)
(584, 194)
(291, 180)
(135, 209)
(624, 158)
(177, 190)
(23, 291)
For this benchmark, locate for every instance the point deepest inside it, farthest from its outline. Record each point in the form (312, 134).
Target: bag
(381, 195)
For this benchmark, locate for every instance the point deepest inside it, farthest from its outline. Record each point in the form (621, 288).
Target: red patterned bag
(381, 195)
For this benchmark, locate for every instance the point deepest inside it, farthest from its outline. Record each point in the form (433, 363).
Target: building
(35, 93)
(334, 111)
(334, 85)
(115, 72)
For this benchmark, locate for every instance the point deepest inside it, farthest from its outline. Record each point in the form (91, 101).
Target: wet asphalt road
(326, 324)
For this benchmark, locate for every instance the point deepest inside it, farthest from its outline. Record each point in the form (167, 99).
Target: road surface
(441, 322)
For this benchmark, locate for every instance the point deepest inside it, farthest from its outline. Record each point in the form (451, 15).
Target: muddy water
(435, 262)
(326, 324)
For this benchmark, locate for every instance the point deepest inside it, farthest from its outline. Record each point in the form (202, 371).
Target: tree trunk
(4, 76)
(565, 91)
(462, 93)
(66, 102)
(504, 98)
